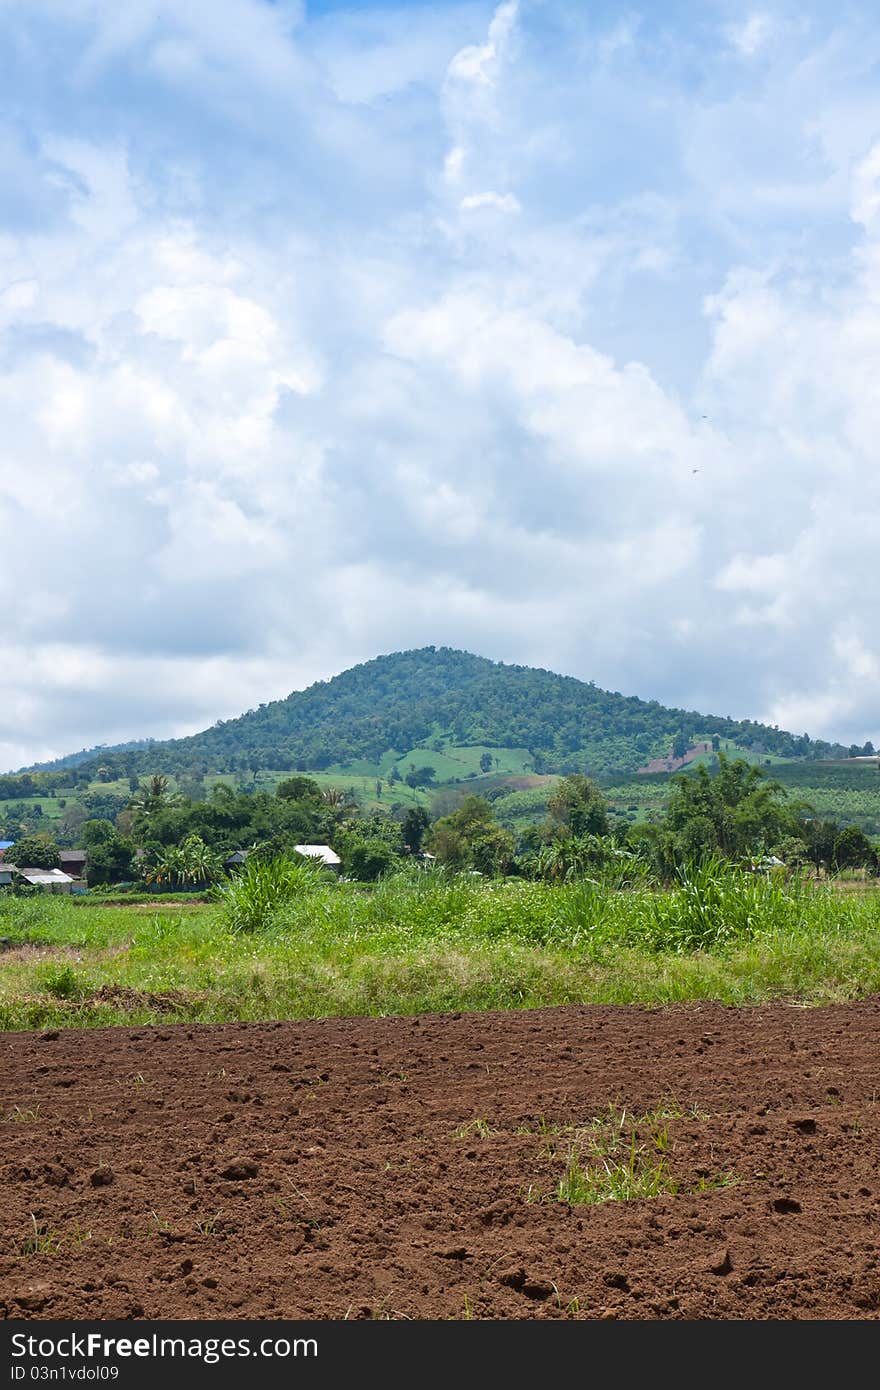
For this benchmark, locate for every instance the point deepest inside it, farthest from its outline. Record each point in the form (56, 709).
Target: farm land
(442, 1097)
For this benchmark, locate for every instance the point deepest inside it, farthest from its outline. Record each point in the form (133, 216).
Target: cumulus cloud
(328, 335)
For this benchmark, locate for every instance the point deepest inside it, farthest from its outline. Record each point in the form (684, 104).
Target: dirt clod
(240, 1170)
(720, 1262)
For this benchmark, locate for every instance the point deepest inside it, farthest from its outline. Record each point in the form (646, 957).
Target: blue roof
(6, 844)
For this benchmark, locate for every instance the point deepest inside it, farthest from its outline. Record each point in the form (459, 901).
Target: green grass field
(433, 942)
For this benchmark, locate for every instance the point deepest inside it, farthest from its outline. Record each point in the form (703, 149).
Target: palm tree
(154, 797)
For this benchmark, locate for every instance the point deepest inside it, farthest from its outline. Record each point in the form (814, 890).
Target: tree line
(164, 838)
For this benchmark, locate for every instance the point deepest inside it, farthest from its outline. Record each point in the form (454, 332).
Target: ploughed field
(440, 1166)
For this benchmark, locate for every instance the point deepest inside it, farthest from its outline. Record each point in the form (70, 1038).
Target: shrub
(251, 899)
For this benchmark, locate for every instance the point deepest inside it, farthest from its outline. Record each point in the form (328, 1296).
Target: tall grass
(282, 941)
(251, 899)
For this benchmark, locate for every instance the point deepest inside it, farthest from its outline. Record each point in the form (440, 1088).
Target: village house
(73, 862)
(50, 880)
(235, 860)
(322, 852)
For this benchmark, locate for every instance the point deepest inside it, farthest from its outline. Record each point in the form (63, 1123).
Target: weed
(481, 1128)
(252, 898)
(78, 1236)
(619, 1181)
(617, 1156)
(437, 942)
(208, 1225)
(41, 1241)
(21, 1115)
(62, 982)
(708, 1182)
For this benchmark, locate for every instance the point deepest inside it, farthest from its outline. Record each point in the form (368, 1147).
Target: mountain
(435, 699)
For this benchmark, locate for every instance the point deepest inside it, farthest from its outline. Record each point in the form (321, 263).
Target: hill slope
(433, 699)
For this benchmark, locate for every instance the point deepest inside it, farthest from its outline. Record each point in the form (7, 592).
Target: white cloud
(479, 63)
(501, 202)
(750, 36)
(525, 343)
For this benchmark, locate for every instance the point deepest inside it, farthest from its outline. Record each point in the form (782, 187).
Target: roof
(238, 857)
(72, 856)
(6, 844)
(42, 875)
(322, 852)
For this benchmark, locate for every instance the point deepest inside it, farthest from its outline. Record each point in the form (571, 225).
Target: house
(235, 861)
(51, 880)
(73, 862)
(324, 853)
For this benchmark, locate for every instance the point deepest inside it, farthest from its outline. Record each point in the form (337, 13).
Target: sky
(545, 330)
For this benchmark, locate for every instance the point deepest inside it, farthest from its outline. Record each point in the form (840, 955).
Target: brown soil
(408, 1167)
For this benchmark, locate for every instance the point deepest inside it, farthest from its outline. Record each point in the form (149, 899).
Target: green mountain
(437, 702)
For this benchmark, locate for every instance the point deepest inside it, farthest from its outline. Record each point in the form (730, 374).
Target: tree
(415, 823)
(71, 823)
(367, 860)
(853, 849)
(96, 832)
(298, 789)
(35, 852)
(154, 797)
(486, 762)
(109, 859)
(420, 776)
(820, 837)
(189, 864)
(735, 812)
(578, 806)
(471, 838)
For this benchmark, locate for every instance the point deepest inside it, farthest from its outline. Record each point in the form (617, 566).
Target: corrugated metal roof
(44, 875)
(322, 852)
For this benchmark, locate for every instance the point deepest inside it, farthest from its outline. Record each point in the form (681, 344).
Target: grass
(479, 1127)
(26, 1115)
(618, 1157)
(41, 1240)
(615, 1180)
(426, 941)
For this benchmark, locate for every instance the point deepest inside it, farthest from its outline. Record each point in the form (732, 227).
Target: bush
(251, 899)
(368, 860)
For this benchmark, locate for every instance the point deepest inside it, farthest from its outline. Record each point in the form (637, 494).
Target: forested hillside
(436, 698)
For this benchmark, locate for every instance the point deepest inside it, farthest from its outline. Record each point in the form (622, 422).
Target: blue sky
(546, 330)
